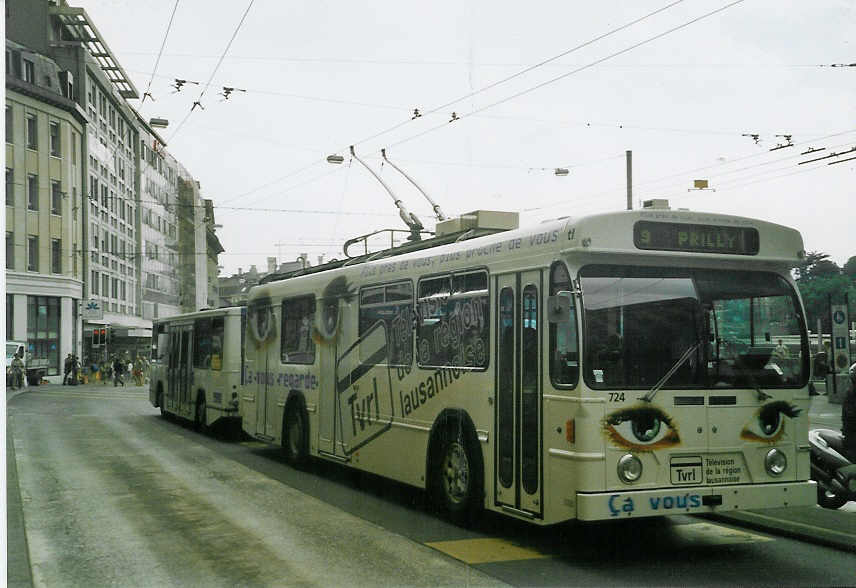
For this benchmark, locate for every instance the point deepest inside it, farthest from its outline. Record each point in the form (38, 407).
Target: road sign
(92, 310)
(840, 337)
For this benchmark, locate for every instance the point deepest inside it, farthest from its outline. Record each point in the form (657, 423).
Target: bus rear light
(570, 431)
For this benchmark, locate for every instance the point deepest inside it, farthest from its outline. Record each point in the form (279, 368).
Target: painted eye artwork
(641, 428)
(768, 424)
(261, 322)
(328, 319)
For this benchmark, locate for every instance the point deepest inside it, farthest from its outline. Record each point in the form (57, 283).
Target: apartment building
(92, 196)
(44, 186)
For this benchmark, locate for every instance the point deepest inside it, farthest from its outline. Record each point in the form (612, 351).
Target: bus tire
(160, 401)
(456, 473)
(827, 499)
(201, 415)
(295, 434)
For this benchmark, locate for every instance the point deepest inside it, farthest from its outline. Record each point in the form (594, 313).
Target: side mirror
(559, 308)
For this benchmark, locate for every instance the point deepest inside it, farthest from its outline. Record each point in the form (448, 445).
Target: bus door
(180, 368)
(518, 391)
(262, 372)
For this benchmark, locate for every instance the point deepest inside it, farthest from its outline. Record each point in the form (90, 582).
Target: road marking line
(710, 534)
(488, 550)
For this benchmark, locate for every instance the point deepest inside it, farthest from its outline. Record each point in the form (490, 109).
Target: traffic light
(99, 337)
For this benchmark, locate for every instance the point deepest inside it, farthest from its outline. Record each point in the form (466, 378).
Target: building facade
(158, 226)
(44, 185)
(93, 222)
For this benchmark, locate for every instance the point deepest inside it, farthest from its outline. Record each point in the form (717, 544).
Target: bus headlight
(629, 468)
(775, 462)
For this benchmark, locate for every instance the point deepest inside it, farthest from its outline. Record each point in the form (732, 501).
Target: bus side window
(217, 327)
(298, 316)
(202, 343)
(392, 304)
(564, 349)
(454, 327)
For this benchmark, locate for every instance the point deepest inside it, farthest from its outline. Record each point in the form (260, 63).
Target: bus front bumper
(693, 500)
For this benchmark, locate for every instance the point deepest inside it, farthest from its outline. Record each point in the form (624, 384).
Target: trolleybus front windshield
(711, 328)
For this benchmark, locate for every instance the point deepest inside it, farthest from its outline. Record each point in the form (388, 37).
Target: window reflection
(732, 325)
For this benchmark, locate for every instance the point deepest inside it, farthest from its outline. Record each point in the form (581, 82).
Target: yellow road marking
(489, 550)
(710, 534)
(254, 444)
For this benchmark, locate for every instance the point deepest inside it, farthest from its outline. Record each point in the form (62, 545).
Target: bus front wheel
(295, 435)
(455, 478)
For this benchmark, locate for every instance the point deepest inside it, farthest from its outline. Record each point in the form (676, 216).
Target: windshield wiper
(649, 396)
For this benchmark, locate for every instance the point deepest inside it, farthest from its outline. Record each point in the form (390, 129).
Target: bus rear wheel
(160, 404)
(455, 479)
(295, 436)
(201, 415)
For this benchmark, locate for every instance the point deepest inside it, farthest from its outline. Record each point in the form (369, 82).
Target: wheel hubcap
(456, 473)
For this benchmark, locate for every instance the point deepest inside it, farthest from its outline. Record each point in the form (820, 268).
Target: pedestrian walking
(138, 371)
(118, 367)
(75, 370)
(66, 369)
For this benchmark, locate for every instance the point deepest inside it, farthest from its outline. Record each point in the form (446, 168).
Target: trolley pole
(629, 157)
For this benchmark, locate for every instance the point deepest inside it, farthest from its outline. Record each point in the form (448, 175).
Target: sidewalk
(18, 571)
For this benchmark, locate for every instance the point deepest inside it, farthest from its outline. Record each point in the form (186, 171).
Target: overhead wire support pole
(410, 219)
(437, 210)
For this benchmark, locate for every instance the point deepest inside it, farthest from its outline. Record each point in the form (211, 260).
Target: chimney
(271, 264)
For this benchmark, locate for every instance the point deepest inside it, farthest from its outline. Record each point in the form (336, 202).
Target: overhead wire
(214, 72)
(160, 52)
(572, 72)
(525, 70)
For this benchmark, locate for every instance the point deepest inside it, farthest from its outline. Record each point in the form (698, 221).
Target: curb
(789, 528)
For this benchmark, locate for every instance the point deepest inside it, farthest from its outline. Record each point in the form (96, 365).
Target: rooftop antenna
(410, 219)
(437, 211)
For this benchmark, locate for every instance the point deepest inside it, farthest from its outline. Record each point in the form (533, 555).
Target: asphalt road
(112, 494)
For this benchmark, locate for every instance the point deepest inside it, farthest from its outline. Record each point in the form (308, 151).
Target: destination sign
(695, 238)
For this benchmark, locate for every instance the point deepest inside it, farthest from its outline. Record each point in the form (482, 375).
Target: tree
(850, 267)
(816, 292)
(803, 270)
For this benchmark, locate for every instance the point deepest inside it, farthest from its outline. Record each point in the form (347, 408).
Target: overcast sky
(322, 75)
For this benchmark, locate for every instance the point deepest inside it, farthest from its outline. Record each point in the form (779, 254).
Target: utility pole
(629, 157)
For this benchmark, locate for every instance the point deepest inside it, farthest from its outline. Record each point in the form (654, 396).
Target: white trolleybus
(608, 366)
(196, 365)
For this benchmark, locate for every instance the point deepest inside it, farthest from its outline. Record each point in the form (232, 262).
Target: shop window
(43, 332)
